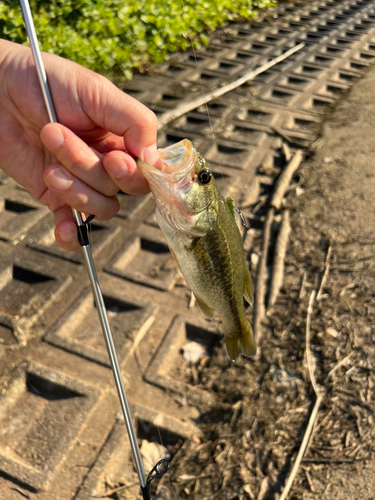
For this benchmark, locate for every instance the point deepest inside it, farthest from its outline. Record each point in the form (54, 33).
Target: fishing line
(202, 89)
(200, 78)
(168, 461)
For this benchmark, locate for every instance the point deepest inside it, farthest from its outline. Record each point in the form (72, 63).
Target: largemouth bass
(202, 233)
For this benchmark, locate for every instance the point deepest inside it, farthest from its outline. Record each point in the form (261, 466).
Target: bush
(113, 37)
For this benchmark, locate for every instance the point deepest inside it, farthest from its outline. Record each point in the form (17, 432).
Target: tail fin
(243, 342)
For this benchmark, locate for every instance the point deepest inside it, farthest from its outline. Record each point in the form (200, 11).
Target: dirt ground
(253, 430)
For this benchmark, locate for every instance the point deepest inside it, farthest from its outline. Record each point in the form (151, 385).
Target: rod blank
(98, 297)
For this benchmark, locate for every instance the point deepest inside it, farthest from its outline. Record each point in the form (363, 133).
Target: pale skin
(83, 161)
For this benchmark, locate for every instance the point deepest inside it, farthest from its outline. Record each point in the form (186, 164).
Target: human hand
(85, 159)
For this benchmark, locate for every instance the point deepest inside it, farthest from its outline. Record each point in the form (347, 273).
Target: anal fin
(248, 288)
(206, 310)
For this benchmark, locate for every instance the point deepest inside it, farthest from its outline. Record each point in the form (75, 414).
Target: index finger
(85, 100)
(122, 115)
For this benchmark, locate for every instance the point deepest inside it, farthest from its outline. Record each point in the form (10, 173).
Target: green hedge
(113, 37)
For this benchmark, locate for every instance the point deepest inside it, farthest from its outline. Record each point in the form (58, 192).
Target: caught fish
(202, 233)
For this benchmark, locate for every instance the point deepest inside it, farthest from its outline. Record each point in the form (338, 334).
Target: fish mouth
(177, 170)
(171, 184)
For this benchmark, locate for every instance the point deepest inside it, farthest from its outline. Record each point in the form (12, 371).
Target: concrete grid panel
(44, 412)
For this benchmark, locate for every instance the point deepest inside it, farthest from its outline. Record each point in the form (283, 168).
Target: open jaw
(177, 170)
(171, 185)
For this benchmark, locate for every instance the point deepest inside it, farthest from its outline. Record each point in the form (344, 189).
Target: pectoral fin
(206, 310)
(248, 288)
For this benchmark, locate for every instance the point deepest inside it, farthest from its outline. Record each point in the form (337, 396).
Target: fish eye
(204, 176)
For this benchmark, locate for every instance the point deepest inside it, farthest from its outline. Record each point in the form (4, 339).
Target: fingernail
(151, 156)
(117, 166)
(68, 236)
(58, 179)
(53, 138)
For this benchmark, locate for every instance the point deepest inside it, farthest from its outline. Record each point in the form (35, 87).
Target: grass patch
(115, 37)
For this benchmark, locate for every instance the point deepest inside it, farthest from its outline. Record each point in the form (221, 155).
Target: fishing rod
(162, 466)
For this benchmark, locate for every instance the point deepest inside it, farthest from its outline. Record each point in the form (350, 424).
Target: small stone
(331, 331)
(193, 352)
(152, 452)
(254, 259)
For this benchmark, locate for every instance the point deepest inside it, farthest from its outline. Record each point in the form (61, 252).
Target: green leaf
(114, 37)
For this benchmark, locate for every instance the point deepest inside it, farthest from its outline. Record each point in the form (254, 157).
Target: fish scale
(227, 259)
(221, 261)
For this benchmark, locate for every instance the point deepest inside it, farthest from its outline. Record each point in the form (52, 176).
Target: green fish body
(202, 233)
